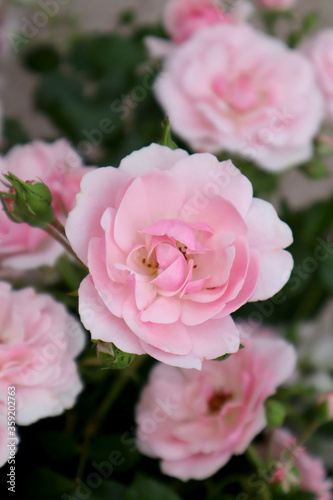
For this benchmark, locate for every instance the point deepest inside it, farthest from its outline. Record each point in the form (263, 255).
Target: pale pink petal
(99, 190)
(102, 324)
(152, 157)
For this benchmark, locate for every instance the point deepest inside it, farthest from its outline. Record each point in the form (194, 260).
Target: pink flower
(38, 343)
(311, 469)
(276, 4)
(174, 244)
(58, 165)
(233, 88)
(182, 18)
(319, 51)
(195, 421)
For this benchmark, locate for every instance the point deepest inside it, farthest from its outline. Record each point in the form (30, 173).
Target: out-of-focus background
(101, 15)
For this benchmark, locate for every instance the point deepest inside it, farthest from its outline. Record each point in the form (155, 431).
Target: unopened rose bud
(285, 478)
(27, 202)
(39, 198)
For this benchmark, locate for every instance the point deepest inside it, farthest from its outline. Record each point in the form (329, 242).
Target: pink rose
(311, 469)
(59, 166)
(38, 343)
(319, 51)
(276, 4)
(233, 88)
(174, 244)
(182, 18)
(195, 421)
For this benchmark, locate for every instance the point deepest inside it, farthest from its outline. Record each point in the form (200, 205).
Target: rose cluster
(229, 87)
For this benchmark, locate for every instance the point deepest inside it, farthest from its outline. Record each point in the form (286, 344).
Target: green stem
(58, 227)
(311, 429)
(254, 457)
(50, 230)
(256, 460)
(96, 420)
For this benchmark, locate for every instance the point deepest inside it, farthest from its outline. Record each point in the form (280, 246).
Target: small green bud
(39, 198)
(113, 358)
(27, 202)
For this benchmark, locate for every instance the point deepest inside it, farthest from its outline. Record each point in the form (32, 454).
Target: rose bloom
(61, 169)
(174, 244)
(276, 4)
(38, 343)
(233, 88)
(182, 18)
(195, 421)
(319, 50)
(311, 469)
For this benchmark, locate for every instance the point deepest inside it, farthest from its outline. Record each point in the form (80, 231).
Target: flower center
(217, 400)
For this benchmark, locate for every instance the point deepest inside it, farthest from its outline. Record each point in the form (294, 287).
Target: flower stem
(96, 420)
(256, 460)
(311, 429)
(56, 235)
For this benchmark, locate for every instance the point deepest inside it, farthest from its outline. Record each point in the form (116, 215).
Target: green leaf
(166, 137)
(310, 22)
(109, 490)
(275, 413)
(326, 273)
(44, 483)
(146, 488)
(14, 133)
(42, 59)
(98, 55)
(316, 169)
(58, 446)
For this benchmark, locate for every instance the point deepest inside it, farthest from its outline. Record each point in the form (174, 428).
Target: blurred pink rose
(38, 343)
(276, 4)
(59, 166)
(233, 88)
(174, 244)
(182, 18)
(319, 50)
(195, 421)
(311, 469)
